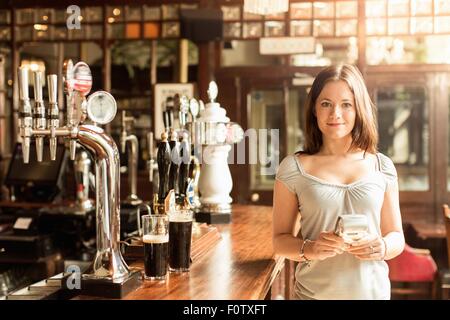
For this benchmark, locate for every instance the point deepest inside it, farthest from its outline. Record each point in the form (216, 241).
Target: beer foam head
(180, 216)
(155, 238)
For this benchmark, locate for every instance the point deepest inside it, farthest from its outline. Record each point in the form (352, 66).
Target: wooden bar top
(240, 266)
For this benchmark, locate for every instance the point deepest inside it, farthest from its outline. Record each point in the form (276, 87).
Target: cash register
(32, 186)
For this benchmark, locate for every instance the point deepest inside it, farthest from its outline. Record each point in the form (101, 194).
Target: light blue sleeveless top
(320, 203)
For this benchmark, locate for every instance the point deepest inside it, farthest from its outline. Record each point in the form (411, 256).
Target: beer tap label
(190, 193)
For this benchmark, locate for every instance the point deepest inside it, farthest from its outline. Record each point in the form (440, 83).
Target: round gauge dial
(101, 107)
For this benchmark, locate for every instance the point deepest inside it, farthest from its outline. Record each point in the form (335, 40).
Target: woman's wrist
(304, 251)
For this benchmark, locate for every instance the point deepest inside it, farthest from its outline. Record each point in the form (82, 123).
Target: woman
(338, 172)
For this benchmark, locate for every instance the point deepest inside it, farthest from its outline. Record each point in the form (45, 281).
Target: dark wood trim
(204, 72)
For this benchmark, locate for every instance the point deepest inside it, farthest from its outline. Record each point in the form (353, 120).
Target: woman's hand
(326, 246)
(371, 247)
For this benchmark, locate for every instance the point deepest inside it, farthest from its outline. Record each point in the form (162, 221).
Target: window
(404, 133)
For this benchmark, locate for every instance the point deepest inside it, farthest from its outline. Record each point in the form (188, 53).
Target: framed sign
(161, 92)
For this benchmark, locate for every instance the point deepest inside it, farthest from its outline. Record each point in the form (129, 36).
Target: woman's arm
(391, 222)
(285, 212)
(285, 243)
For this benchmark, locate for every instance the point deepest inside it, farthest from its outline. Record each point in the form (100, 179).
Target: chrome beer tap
(25, 116)
(39, 121)
(109, 266)
(68, 90)
(53, 112)
(132, 198)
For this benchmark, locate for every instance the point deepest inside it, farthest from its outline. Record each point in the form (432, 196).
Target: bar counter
(240, 266)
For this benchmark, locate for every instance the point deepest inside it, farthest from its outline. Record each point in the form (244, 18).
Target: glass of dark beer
(156, 246)
(180, 232)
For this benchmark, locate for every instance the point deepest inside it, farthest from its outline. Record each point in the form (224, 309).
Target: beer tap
(175, 161)
(25, 116)
(109, 267)
(53, 112)
(185, 157)
(151, 161)
(39, 121)
(132, 198)
(68, 90)
(163, 160)
(184, 110)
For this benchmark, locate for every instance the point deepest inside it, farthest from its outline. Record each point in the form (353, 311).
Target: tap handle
(25, 116)
(175, 161)
(39, 121)
(52, 85)
(23, 83)
(150, 155)
(68, 76)
(183, 119)
(38, 86)
(163, 160)
(68, 90)
(185, 157)
(53, 112)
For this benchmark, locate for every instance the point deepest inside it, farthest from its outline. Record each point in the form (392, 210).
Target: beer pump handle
(68, 71)
(39, 121)
(150, 156)
(163, 160)
(53, 112)
(25, 116)
(185, 157)
(174, 163)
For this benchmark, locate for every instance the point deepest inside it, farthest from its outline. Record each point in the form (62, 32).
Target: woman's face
(335, 110)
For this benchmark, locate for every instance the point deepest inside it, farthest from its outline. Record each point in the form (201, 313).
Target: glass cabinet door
(404, 133)
(296, 123)
(267, 112)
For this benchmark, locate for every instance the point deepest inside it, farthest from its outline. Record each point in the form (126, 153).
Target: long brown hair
(365, 131)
